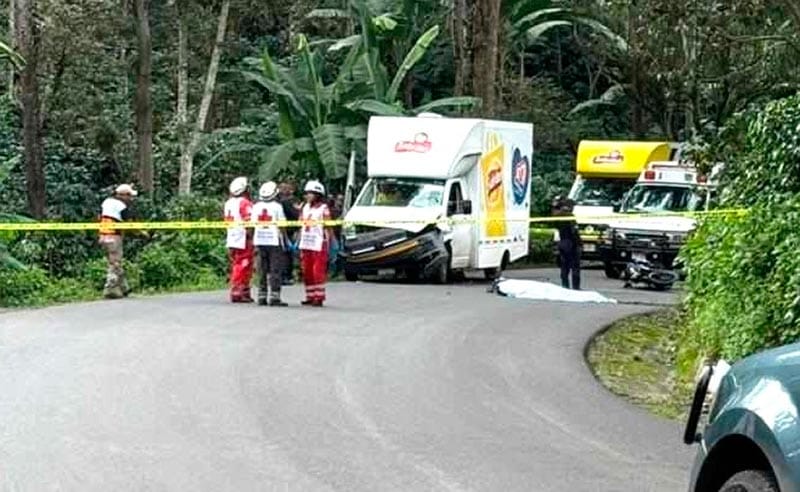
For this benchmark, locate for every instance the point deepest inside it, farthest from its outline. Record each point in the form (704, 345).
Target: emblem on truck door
(420, 144)
(520, 174)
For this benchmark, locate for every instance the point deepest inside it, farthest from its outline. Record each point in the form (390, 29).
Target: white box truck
(444, 196)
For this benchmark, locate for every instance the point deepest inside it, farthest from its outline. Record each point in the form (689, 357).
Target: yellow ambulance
(605, 172)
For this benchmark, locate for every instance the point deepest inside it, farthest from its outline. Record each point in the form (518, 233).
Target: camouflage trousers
(116, 285)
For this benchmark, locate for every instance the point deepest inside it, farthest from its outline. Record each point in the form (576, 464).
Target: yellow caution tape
(209, 225)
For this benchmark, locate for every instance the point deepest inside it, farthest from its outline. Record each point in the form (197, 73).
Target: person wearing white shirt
(270, 239)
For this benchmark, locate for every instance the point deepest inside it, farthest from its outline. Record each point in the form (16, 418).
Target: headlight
(349, 230)
(679, 238)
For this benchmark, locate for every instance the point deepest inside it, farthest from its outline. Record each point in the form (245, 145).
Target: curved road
(392, 387)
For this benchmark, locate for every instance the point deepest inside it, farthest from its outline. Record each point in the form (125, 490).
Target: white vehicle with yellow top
(605, 172)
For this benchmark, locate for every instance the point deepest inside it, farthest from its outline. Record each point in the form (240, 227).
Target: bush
(743, 271)
(743, 277)
(26, 287)
(541, 247)
(164, 267)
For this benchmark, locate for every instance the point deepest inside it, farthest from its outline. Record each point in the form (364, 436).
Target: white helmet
(315, 187)
(238, 186)
(268, 190)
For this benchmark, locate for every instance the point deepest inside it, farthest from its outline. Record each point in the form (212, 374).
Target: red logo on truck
(420, 144)
(612, 157)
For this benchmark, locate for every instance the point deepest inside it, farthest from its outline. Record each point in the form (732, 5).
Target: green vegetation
(636, 359)
(181, 96)
(744, 271)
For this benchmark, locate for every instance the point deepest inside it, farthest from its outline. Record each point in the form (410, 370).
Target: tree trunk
(182, 109)
(183, 72)
(485, 40)
(187, 159)
(461, 51)
(28, 42)
(11, 35)
(637, 113)
(143, 105)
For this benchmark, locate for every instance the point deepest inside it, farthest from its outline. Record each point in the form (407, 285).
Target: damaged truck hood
(411, 219)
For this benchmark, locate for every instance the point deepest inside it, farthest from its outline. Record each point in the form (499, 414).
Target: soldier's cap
(125, 189)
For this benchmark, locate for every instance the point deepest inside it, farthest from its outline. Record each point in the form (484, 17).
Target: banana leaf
(413, 56)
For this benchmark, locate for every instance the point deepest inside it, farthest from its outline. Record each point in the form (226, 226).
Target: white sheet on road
(544, 291)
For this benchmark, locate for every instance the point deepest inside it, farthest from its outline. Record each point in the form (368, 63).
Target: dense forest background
(180, 96)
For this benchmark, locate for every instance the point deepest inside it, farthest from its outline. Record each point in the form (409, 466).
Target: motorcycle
(643, 272)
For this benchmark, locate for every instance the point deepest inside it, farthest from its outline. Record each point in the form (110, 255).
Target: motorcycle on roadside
(640, 271)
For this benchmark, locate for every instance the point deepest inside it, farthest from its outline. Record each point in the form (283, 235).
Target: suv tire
(751, 481)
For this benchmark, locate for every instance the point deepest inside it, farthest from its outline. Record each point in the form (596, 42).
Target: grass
(636, 359)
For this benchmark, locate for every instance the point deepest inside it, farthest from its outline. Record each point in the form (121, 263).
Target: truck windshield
(601, 192)
(402, 192)
(664, 198)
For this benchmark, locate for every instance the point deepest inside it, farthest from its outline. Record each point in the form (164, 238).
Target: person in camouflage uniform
(114, 210)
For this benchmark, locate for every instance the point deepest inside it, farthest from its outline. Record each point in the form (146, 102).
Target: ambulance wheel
(350, 276)
(612, 271)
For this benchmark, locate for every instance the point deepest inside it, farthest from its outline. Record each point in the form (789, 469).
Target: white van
(444, 195)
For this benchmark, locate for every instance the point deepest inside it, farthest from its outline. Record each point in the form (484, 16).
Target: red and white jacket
(237, 209)
(312, 236)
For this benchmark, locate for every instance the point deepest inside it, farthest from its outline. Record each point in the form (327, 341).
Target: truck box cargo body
(444, 195)
(605, 171)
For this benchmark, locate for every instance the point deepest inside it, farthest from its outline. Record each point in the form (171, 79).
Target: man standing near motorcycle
(569, 243)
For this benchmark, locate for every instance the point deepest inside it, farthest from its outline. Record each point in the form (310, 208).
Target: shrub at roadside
(744, 271)
(743, 281)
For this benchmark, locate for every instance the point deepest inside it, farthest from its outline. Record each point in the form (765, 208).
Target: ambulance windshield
(402, 192)
(664, 198)
(601, 192)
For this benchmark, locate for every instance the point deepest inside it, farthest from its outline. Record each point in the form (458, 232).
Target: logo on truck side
(613, 157)
(520, 177)
(420, 144)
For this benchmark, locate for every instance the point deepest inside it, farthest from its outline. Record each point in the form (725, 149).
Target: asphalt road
(392, 387)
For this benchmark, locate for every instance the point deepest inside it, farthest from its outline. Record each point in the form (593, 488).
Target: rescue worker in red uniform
(116, 209)
(270, 239)
(315, 240)
(239, 241)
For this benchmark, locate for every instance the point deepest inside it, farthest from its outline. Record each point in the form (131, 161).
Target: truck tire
(751, 481)
(350, 276)
(612, 271)
(442, 274)
(491, 274)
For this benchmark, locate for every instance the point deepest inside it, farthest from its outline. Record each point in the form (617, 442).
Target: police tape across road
(209, 225)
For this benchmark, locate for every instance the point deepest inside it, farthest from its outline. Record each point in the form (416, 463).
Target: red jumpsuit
(240, 248)
(314, 244)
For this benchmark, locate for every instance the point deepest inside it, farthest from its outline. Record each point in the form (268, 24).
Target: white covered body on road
(545, 291)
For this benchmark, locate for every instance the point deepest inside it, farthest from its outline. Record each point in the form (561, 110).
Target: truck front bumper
(387, 251)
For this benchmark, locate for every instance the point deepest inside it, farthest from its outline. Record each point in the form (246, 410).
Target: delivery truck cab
(604, 172)
(444, 195)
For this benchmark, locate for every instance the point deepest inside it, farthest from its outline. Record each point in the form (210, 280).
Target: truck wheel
(491, 274)
(751, 481)
(612, 271)
(442, 274)
(350, 276)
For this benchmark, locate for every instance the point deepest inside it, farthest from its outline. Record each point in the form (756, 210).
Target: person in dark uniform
(291, 209)
(569, 244)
